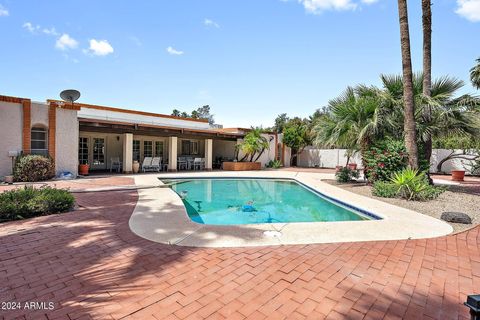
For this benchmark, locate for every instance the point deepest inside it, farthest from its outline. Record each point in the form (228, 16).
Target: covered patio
(115, 146)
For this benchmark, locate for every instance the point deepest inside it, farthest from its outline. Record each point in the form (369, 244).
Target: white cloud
(211, 23)
(318, 6)
(174, 52)
(369, 1)
(469, 9)
(3, 11)
(66, 42)
(100, 47)
(30, 27)
(50, 31)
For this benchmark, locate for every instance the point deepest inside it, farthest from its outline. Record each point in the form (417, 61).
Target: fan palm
(354, 119)
(475, 75)
(449, 115)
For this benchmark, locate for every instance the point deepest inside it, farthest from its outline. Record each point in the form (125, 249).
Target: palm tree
(409, 106)
(427, 72)
(449, 115)
(354, 120)
(475, 75)
(254, 143)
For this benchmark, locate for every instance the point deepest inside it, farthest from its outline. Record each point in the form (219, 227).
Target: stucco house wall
(39, 115)
(66, 141)
(11, 120)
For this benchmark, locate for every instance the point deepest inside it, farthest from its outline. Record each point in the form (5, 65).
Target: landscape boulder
(456, 217)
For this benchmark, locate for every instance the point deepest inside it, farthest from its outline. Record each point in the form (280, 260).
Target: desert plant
(346, 174)
(30, 202)
(31, 168)
(275, 164)
(412, 185)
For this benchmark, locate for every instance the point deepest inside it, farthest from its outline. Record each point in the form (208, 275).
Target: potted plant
(458, 175)
(135, 166)
(252, 147)
(83, 169)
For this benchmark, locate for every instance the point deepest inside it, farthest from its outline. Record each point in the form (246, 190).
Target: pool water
(252, 201)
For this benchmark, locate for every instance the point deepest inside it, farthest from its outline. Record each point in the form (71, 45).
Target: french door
(99, 160)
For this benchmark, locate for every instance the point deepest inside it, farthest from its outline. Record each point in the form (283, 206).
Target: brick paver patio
(91, 265)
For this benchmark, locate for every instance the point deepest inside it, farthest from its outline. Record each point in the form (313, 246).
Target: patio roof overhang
(105, 126)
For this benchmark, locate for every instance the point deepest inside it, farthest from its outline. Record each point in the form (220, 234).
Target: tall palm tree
(409, 106)
(475, 75)
(427, 71)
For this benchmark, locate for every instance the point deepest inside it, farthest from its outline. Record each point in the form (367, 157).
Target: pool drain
(272, 234)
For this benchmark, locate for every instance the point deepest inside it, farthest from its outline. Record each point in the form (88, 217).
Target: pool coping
(160, 216)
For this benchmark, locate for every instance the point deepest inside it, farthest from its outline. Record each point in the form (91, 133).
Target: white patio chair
(147, 162)
(155, 166)
(198, 163)
(115, 164)
(182, 163)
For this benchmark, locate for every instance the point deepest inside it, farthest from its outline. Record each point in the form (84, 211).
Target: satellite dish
(70, 95)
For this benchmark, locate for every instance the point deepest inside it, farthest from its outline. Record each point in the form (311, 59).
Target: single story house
(79, 133)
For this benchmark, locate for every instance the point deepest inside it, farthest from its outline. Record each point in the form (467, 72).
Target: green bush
(346, 174)
(412, 185)
(30, 202)
(384, 189)
(275, 164)
(32, 168)
(384, 159)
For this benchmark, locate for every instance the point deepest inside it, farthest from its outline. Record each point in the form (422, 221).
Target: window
(38, 143)
(158, 148)
(189, 147)
(98, 151)
(147, 148)
(136, 150)
(83, 150)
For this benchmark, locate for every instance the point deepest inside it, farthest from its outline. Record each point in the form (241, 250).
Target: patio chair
(147, 162)
(155, 166)
(198, 163)
(182, 163)
(115, 164)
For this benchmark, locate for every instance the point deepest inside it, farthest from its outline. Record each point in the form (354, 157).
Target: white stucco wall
(224, 149)
(39, 114)
(329, 158)
(66, 141)
(326, 158)
(11, 123)
(91, 113)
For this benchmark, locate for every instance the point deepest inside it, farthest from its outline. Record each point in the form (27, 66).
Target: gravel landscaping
(457, 198)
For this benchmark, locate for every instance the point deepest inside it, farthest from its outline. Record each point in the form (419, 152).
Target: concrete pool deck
(160, 216)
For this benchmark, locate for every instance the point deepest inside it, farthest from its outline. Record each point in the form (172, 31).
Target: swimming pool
(230, 201)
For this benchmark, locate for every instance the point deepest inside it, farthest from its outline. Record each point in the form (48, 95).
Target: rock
(456, 217)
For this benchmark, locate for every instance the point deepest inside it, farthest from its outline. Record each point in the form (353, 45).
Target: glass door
(98, 154)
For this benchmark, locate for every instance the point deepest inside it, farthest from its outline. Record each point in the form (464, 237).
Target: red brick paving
(92, 266)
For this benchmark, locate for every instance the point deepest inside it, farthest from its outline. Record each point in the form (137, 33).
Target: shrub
(346, 174)
(412, 185)
(384, 159)
(384, 189)
(275, 164)
(31, 202)
(31, 168)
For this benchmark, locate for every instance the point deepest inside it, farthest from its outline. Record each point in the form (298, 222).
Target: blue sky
(248, 59)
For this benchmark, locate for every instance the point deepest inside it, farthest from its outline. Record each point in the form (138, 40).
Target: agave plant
(410, 184)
